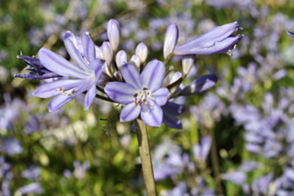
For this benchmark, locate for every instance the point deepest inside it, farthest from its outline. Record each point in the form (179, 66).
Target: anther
(235, 46)
(145, 88)
(58, 89)
(62, 90)
(229, 53)
(145, 101)
(66, 94)
(73, 92)
(135, 95)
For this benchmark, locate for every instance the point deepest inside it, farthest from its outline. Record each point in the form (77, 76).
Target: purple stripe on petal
(89, 47)
(58, 101)
(59, 65)
(90, 97)
(120, 92)
(71, 45)
(130, 112)
(172, 121)
(50, 89)
(131, 75)
(152, 114)
(153, 75)
(160, 96)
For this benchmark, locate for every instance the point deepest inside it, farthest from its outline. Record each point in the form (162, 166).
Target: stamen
(145, 88)
(66, 94)
(58, 89)
(62, 90)
(229, 53)
(73, 92)
(135, 95)
(235, 46)
(145, 101)
(145, 94)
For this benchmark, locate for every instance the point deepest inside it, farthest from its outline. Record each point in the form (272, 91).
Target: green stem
(145, 157)
(214, 160)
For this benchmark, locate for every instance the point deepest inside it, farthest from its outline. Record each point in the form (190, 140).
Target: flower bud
(121, 58)
(107, 52)
(113, 32)
(142, 52)
(136, 60)
(170, 39)
(187, 63)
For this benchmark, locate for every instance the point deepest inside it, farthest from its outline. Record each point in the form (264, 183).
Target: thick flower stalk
(142, 93)
(77, 78)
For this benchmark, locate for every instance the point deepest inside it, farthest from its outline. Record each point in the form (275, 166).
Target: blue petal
(160, 96)
(120, 92)
(152, 114)
(290, 33)
(59, 65)
(90, 97)
(58, 101)
(131, 75)
(153, 75)
(173, 109)
(89, 47)
(98, 67)
(50, 89)
(130, 112)
(203, 83)
(172, 121)
(71, 45)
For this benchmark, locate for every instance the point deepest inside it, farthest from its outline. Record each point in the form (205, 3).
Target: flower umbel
(142, 93)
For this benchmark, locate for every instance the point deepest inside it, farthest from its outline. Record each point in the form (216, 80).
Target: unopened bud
(113, 32)
(136, 60)
(142, 52)
(107, 52)
(121, 58)
(170, 39)
(187, 63)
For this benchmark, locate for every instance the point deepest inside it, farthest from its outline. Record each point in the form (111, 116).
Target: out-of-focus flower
(237, 177)
(218, 40)
(80, 169)
(34, 188)
(11, 147)
(32, 173)
(142, 93)
(84, 77)
(202, 149)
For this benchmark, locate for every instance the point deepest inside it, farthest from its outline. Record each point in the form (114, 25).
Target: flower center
(142, 97)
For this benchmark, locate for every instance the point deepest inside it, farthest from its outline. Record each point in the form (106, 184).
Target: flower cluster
(134, 83)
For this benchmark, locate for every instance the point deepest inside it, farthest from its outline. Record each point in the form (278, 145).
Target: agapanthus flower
(142, 93)
(84, 76)
(218, 40)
